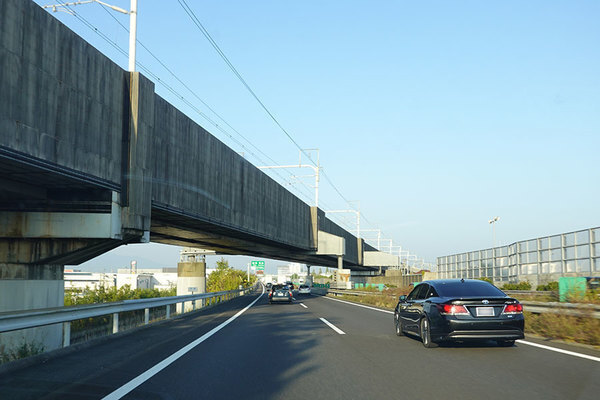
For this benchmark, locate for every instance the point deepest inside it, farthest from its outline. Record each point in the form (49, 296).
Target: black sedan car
(280, 293)
(458, 310)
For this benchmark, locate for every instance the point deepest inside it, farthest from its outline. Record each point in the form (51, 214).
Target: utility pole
(378, 235)
(349, 211)
(493, 223)
(300, 165)
(132, 21)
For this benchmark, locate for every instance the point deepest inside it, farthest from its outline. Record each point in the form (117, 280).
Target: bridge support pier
(26, 287)
(34, 248)
(191, 279)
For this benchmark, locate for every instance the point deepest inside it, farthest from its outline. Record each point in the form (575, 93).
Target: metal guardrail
(537, 307)
(531, 293)
(11, 321)
(574, 309)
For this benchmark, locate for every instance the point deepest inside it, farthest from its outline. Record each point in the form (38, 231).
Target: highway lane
(285, 351)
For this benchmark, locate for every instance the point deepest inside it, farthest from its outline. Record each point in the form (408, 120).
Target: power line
(214, 44)
(204, 115)
(219, 51)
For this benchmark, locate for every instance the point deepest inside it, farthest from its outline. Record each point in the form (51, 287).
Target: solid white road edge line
(359, 305)
(332, 326)
(135, 382)
(571, 353)
(302, 304)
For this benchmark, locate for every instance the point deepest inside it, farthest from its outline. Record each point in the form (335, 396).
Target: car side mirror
(402, 298)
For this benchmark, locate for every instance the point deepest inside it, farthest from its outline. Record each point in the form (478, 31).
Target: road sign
(260, 265)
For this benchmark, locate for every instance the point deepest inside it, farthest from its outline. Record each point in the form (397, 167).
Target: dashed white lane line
(571, 353)
(332, 326)
(137, 381)
(359, 305)
(302, 304)
(541, 346)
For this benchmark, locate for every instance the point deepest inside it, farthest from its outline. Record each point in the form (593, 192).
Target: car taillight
(290, 293)
(513, 309)
(451, 309)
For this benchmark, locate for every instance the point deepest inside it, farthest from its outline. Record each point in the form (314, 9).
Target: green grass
(23, 351)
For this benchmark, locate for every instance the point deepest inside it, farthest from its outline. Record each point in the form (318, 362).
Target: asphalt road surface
(315, 348)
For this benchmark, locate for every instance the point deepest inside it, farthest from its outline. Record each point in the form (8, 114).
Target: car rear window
(468, 289)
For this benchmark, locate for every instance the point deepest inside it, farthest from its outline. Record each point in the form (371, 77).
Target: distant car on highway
(290, 284)
(269, 286)
(280, 293)
(459, 310)
(304, 289)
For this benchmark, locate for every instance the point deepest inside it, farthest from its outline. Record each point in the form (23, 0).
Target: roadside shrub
(525, 285)
(488, 280)
(550, 286)
(22, 351)
(564, 327)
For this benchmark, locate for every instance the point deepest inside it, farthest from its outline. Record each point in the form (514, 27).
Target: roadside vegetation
(23, 351)
(564, 327)
(227, 278)
(106, 295)
(89, 328)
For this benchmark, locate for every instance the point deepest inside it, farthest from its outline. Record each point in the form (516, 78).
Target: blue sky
(436, 115)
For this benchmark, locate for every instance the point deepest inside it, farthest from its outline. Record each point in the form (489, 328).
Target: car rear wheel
(505, 343)
(426, 334)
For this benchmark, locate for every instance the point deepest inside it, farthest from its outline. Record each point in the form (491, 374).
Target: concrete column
(191, 279)
(309, 281)
(340, 262)
(27, 287)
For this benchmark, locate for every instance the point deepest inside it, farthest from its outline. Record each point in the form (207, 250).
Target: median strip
(332, 326)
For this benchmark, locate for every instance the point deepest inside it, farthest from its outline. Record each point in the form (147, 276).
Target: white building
(78, 280)
(135, 281)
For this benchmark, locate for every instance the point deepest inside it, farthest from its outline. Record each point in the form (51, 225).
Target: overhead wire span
(192, 15)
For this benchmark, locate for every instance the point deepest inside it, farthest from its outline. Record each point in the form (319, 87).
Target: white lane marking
(359, 305)
(135, 382)
(293, 298)
(571, 353)
(302, 304)
(332, 326)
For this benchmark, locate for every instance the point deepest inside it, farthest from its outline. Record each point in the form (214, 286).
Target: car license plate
(485, 311)
(279, 294)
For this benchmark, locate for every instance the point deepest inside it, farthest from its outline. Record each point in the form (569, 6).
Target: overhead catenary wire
(213, 43)
(123, 52)
(271, 160)
(196, 21)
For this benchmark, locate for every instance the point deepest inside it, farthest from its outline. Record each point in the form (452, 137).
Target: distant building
(135, 281)
(78, 280)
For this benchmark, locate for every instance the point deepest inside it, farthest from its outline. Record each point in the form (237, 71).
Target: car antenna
(462, 280)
